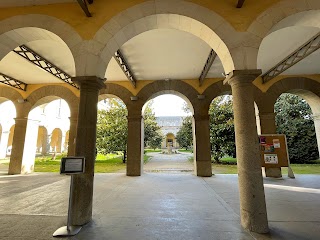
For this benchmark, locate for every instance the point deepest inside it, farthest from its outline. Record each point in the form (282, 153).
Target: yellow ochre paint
(104, 10)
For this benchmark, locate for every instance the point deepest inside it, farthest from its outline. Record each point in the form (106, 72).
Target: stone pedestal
(135, 145)
(82, 192)
(252, 199)
(201, 143)
(18, 145)
(268, 126)
(72, 136)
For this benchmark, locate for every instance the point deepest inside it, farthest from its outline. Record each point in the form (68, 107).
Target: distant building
(170, 126)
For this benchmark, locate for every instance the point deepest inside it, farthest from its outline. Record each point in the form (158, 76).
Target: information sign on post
(70, 166)
(274, 152)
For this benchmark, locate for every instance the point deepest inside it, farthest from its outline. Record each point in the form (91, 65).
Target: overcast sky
(168, 105)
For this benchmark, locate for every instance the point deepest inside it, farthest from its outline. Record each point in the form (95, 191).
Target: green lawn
(113, 163)
(104, 163)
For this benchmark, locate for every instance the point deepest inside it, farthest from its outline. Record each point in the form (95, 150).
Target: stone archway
(18, 30)
(306, 88)
(266, 20)
(199, 21)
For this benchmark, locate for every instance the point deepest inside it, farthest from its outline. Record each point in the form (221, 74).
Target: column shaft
(4, 143)
(201, 142)
(135, 145)
(18, 145)
(85, 146)
(72, 136)
(252, 199)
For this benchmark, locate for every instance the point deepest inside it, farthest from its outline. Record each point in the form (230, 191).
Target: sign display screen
(72, 165)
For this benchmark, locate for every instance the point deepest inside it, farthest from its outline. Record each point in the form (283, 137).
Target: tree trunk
(124, 156)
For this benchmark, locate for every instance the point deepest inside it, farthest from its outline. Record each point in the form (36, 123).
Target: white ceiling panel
(279, 44)
(19, 68)
(114, 72)
(166, 53)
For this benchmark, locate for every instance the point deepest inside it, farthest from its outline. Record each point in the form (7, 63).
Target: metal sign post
(70, 166)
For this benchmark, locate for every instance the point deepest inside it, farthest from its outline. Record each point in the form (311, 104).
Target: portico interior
(139, 49)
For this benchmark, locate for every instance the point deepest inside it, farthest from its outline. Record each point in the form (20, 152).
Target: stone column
(82, 192)
(135, 145)
(201, 143)
(268, 126)
(72, 136)
(316, 121)
(252, 199)
(4, 143)
(18, 145)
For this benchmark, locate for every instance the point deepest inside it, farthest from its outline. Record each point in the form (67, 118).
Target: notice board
(274, 151)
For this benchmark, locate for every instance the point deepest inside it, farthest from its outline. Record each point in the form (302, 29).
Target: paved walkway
(157, 206)
(173, 163)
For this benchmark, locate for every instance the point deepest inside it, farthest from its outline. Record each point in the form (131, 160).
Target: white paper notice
(271, 158)
(73, 165)
(276, 143)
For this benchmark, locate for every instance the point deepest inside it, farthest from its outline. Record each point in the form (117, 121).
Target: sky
(168, 105)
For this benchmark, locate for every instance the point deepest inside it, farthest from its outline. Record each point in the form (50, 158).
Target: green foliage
(184, 135)
(152, 133)
(294, 119)
(112, 128)
(222, 138)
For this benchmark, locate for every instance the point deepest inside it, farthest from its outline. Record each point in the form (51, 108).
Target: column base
(203, 168)
(273, 172)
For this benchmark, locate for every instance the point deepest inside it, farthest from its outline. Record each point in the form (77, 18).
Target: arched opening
(56, 141)
(42, 141)
(168, 128)
(112, 134)
(6, 123)
(45, 134)
(297, 117)
(222, 135)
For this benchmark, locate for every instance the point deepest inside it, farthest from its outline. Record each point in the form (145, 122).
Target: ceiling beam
(301, 53)
(212, 56)
(125, 67)
(12, 82)
(240, 3)
(43, 63)
(83, 5)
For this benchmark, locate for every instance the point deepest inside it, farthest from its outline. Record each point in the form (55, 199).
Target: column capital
(242, 76)
(89, 82)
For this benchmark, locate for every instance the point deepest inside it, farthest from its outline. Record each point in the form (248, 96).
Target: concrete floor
(157, 206)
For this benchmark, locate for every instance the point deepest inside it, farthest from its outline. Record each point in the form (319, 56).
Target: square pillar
(4, 143)
(135, 145)
(19, 136)
(82, 193)
(72, 136)
(253, 210)
(201, 143)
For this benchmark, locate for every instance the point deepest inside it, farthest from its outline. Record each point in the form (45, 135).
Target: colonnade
(252, 197)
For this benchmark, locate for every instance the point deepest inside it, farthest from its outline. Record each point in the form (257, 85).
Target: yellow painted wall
(264, 87)
(104, 10)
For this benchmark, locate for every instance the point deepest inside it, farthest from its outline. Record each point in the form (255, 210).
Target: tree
(112, 129)
(222, 137)
(184, 135)
(152, 133)
(294, 119)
